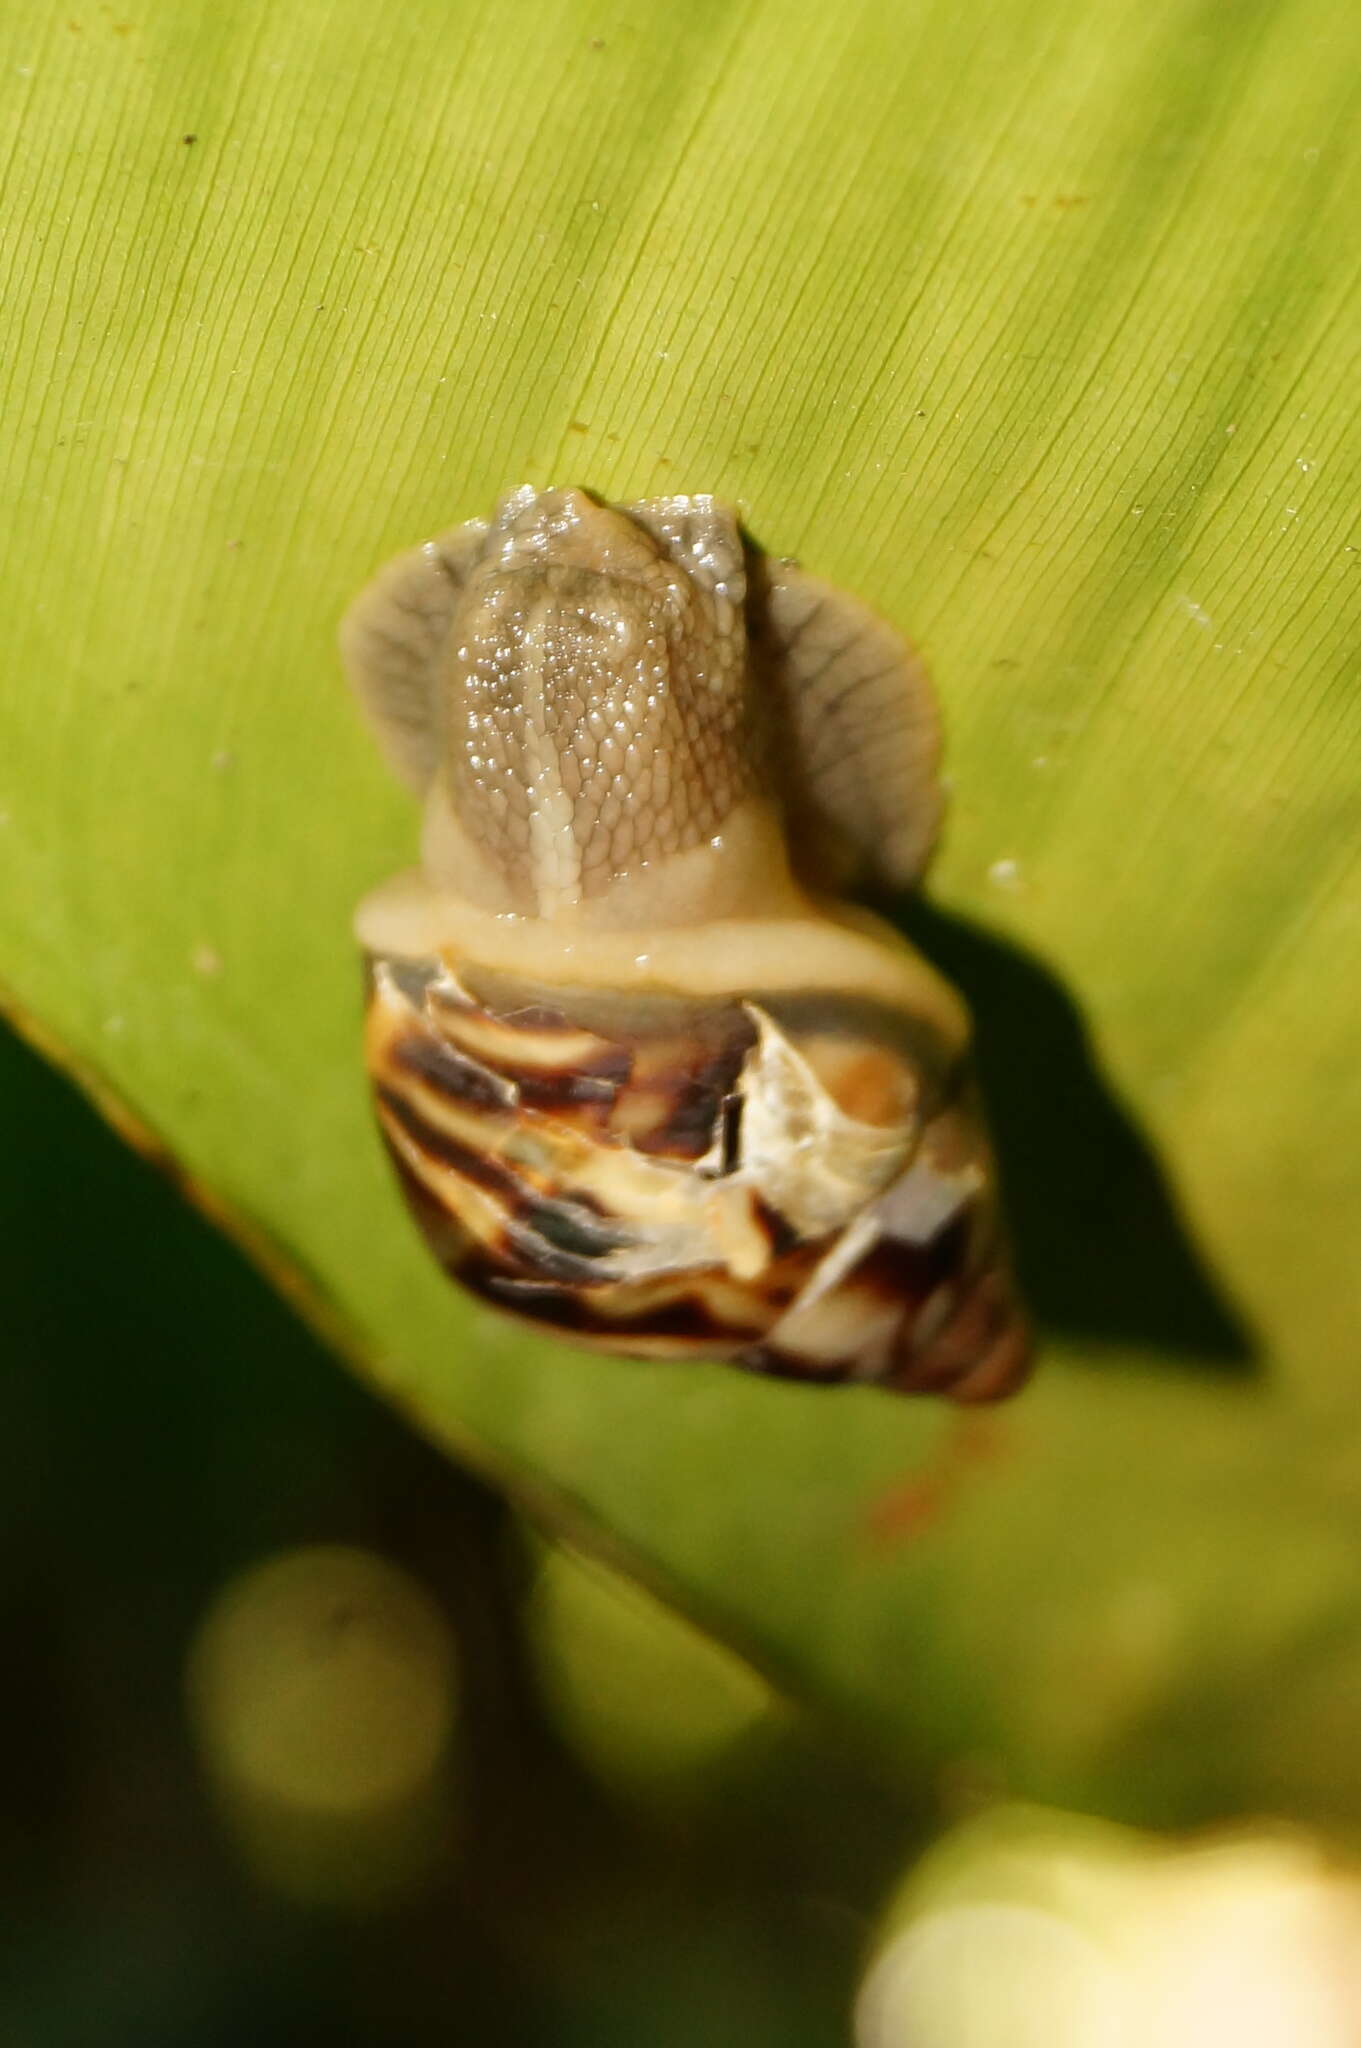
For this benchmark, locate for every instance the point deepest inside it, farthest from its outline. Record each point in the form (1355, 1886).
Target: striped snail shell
(646, 1080)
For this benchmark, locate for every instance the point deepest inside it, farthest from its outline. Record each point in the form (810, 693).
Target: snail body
(646, 1080)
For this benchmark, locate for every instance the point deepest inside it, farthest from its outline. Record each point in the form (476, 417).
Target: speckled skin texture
(596, 705)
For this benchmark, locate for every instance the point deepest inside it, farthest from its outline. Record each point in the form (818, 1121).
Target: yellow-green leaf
(1035, 323)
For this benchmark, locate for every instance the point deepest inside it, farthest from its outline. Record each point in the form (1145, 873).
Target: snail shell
(646, 1080)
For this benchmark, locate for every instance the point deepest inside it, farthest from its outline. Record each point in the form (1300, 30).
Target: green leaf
(1037, 325)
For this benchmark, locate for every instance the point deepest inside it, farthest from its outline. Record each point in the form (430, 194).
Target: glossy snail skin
(647, 1082)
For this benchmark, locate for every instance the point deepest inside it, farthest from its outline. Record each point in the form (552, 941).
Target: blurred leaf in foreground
(1031, 1927)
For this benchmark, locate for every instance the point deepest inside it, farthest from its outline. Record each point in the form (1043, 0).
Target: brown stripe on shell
(982, 1352)
(677, 1104)
(520, 1135)
(662, 1094)
(562, 1089)
(465, 1080)
(702, 1313)
(536, 1233)
(481, 1168)
(781, 1237)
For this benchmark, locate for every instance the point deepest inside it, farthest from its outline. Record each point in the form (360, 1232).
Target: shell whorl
(799, 1187)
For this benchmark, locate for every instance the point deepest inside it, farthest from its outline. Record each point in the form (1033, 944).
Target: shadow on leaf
(1100, 1247)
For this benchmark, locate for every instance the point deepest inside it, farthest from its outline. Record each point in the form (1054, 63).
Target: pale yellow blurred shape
(1257, 1944)
(1032, 1928)
(991, 1976)
(324, 1677)
(322, 1691)
(647, 1700)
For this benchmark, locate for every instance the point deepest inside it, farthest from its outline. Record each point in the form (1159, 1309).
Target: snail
(649, 1081)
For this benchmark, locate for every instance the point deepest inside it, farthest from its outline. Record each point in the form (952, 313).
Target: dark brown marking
(902, 1271)
(450, 1071)
(696, 1090)
(687, 1131)
(538, 1235)
(680, 1314)
(732, 1132)
(780, 1235)
(576, 1230)
(981, 1353)
(684, 1316)
(546, 1090)
(449, 1151)
(530, 1260)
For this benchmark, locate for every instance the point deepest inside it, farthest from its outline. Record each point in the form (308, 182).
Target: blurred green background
(632, 1841)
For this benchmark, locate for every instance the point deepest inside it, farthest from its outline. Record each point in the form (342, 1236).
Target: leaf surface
(1037, 325)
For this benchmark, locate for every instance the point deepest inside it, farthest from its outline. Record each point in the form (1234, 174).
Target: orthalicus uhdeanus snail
(647, 1081)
